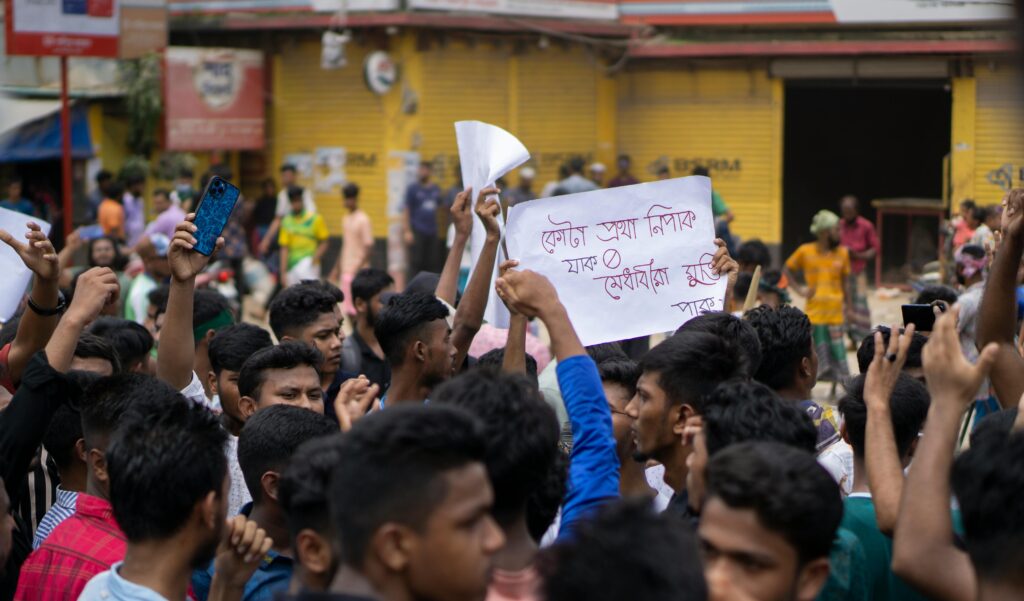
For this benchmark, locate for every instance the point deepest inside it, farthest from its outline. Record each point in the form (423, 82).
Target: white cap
(527, 172)
(599, 167)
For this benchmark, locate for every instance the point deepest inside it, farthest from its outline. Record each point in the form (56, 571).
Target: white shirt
(109, 586)
(656, 480)
(238, 494)
(837, 459)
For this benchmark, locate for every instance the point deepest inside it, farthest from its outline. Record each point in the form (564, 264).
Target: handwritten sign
(627, 262)
(18, 276)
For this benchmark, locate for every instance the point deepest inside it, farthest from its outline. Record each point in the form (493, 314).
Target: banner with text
(627, 262)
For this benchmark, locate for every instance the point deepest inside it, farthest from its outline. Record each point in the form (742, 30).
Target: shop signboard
(574, 9)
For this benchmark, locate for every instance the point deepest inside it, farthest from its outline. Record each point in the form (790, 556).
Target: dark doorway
(875, 139)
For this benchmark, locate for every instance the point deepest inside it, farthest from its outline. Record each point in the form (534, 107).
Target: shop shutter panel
(999, 148)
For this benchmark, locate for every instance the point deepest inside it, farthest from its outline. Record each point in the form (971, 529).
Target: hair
(287, 167)
(936, 293)
(287, 355)
(866, 350)
(351, 190)
(968, 204)
(691, 364)
(742, 287)
(61, 435)
(998, 424)
(120, 261)
(298, 306)
(92, 346)
(160, 470)
(104, 176)
(271, 435)
(521, 430)
(787, 489)
(162, 192)
(394, 469)
(988, 480)
(495, 357)
(729, 328)
(133, 179)
(976, 251)
(546, 500)
(158, 297)
(10, 330)
(785, 334)
(303, 486)
(369, 282)
(624, 372)
(980, 214)
(296, 193)
(109, 399)
(908, 408)
(606, 351)
(739, 411)
(754, 252)
(700, 170)
(132, 341)
(577, 164)
(115, 191)
(208, 304)
(403, 319)
(230, 347)
(625, 551)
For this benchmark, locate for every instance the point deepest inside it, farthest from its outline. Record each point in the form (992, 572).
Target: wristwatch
(62, 304)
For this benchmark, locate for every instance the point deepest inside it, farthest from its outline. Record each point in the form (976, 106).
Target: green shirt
(301, 234)
(718, 206)
(859, 518)
(847, 579)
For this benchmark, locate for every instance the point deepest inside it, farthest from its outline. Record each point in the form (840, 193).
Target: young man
(675, 378)
(858, 236)
(229, 348)
(283, 207)
(16, 201)
(153, 252)
(168, 214)
(361, 353)
(303, 240)
(308, 313)
(912, 366)
(423, 199)
(576, 182)
(768, 523)
(414, 334)
(411, 507)
(62, 444)
(730, 327)
(357, 245)
(96, 355)
(134, 209)
(97, 194)
(286, 374)
(971, 271)
(623, 177)
(132, 342)
(619, 378)
(265, 446)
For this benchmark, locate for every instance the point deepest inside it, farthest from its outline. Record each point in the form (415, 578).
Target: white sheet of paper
(486, 153)
(626, 262)
(18, 276)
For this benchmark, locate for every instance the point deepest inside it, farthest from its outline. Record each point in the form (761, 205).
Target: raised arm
(924, 553)
(723, 263)
(462, 217)
(97, 288)
(66, 257)
(514, 360)
(997, 315)
(470, 314)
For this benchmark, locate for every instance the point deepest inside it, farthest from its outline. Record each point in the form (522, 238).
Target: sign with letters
(627, 262)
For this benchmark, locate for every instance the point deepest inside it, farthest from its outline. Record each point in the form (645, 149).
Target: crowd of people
(378, 441)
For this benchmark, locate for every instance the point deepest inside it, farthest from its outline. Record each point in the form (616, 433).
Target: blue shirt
(22, 205)
(422, 202)
(109, 586)
(271, 577)
(593, 463)
(61, 510)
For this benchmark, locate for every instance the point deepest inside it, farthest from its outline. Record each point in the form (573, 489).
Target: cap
(160, 243)
(527, 173)
(599, 167)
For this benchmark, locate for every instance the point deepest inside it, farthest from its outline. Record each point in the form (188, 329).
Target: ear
(805, 368)
(287, 338)
(314, 552)
(419, 351)
(268, 484)
(209, 336)
(393, 546)
(811, 579)
(97, 462)
(209, 510)
(211, 381)
(247, 406)
(678, 415)
(843, 433)
(359, 304)
(80, 451)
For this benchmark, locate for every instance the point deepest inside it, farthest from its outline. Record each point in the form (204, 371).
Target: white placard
(16, 275)
(486, 153)
(921, 11)
(626, 262)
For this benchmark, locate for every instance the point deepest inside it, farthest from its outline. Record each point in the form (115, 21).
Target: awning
(30, 131)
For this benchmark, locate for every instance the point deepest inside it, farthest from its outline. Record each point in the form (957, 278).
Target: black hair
(495, 357)
(298, 306)
(109, 399)
(104, 176)
(691, 364)
(61, 435)
(521, 430)
(998, 424)
(739, 411)
(732, 329)
(208, 304)
(754, 252)
(295, 192)
(134, 178)
(325, 286)
(785, 334)
(369, 282)
(624, 372)
(930, 294)
(988, 480)
(132, 341)
(403, 319)
(271, 435)
(186, 172)
(230, 347)
(10, 330)
(974, 250)
(158, 298)
(624, 157)
(980, 214)
(287, 167)
(787, 489)
(120, 261)
(115, 191)
(545, 501)
(287, 355)
(576, 164)
(908, 408)
(606, 351)
(866, 350)
(162, 192)
(303, 486)
(91, 346)
(655, 558)
(351, 190)
(968, 204)
(394, 469)
(700, 170)
(159, 470)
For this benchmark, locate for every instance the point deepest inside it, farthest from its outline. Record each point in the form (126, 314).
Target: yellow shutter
(727, 120)
(313, 108)
(999, 149)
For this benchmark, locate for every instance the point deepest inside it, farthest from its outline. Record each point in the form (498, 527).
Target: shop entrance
(874, 139)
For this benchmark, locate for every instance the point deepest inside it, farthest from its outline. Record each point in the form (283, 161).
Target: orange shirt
(111, 218)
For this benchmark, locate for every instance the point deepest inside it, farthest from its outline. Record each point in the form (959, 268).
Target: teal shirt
(859, 518)
(718, 206)
(847, 580)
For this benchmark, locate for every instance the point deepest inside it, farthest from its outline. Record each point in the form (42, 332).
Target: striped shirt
(61, 510)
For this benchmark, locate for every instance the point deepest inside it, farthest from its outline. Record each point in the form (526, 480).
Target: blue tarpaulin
(39, 140)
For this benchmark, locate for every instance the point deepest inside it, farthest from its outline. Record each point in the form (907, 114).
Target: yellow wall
(727, 120)
(998, 151)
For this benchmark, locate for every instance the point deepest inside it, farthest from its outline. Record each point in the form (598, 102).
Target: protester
(286, 374)
(134, 209)
(303, 240)
(16, 201)
(153, 252)
(576, 182)
(597, 172)
(552, 188)
(971, 270)
(618, 379)
(721, 212)
(61, 444)
(308, 313)
(729, 327)
(183, 195)
(962, 230)
(414, 335)
(169, 214)
(132, 342)
(423, 200)
(102, 251)
(98, 194)
(983, 234)
(826, 268)
(361, 353)
(111, 213)
(753, 254)
(912, 365)
(524, 191)
(356, 248)
(623, 177)
(289, 180)
(858, 235)
(263, 214)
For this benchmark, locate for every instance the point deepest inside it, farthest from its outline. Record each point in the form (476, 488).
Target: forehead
(436, 329)
(324, 321)
(650, 382)
(468, 490)
(302, 377)
(740, 531)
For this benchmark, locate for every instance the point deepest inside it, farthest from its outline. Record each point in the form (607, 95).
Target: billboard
(98, 28)
(213, 99)
(921, 11)
(576, 9)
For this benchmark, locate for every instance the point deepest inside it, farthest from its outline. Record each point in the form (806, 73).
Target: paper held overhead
(17, 276)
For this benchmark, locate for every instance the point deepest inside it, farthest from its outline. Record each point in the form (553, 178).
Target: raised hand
(37, 254)
(723, 263)
(96, 289)
(950, 376)
(1012, 220)
(462, 216)
(356, 397)
(527, 292)
(488, 211)
(504, 268)
(886, 366)
(185, 263)
(240, 551)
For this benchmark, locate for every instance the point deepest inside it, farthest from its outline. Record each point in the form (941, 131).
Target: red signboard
(213, 99)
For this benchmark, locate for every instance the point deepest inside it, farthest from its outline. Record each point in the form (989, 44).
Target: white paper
(486, 153)
(626, 262)
(17, 276)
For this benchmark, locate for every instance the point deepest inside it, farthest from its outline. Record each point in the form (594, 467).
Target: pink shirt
(357, 238)
(857, 238)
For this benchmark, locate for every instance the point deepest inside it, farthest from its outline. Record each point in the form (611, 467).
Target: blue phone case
(215, 208)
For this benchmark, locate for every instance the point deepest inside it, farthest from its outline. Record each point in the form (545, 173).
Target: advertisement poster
(214, 99)
(329, 170)
(63, 27)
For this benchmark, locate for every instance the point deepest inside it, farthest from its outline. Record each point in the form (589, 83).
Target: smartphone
(215, 206)
(90, 232)
(922, 316)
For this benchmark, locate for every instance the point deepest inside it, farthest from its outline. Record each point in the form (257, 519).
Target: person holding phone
(303, 240)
